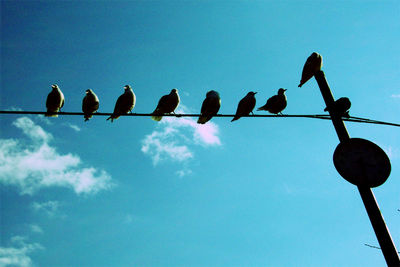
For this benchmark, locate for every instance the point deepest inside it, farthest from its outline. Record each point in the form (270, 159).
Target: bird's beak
(255, 92)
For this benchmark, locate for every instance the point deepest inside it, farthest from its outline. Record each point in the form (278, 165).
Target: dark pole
(378, 223)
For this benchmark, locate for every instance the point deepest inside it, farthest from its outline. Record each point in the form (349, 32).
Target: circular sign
(361, 162)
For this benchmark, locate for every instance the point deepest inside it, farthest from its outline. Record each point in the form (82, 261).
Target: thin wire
(377, 247)
(316, 116)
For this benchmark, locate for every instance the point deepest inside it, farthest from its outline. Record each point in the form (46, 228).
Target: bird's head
(251, 93)
(127, 87)
(212, 93)
(54, 86)
(281, 91)
(174, 91)
(89, 91)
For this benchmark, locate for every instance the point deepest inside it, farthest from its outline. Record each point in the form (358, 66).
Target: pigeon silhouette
(276, 103)
(210, 107)
(90, 104)
(167, 104)
(312, 65)
(340, 107)
(124, 104)
(55, 101)
(245, 106)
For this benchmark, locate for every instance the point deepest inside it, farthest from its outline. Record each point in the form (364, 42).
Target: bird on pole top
(312, 65)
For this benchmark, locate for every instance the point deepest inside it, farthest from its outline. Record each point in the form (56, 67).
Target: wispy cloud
(36, 228)
(395, 96)
(73, 127)
(173, 138)
(18, 253)
(36, 164)
(184, 172)
(49, 207)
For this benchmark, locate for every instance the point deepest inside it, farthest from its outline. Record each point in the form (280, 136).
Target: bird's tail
(156, 117)
(51, 113)
(111, 117)
(261, 108)
(87, 117)
(202, 120)
(235, 118)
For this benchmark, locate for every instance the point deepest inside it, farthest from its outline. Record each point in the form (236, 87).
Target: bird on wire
(210, 107)
(311, 67)
(166, 105)
(245, 106)
(55, 101)
(340, 107)
(90, 104)
(276, 103)
(124, 104)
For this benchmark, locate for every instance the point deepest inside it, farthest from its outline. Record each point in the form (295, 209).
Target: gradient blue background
(267, 195)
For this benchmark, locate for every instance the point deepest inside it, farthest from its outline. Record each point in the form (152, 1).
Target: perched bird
(340, 107)
(312, 65)
(55, 101)
(124, 104)
(276, 103)
(90, 104)
(245, 106)
(167, 104)
(210, 107)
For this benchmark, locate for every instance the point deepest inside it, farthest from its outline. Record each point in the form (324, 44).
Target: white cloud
(34, 165)
(73, 127)
(184, 172)
(14, 109)
(44, 119)
(48, 207)
(17, 254)
(395, 96)
(173, 137)
(36, 228)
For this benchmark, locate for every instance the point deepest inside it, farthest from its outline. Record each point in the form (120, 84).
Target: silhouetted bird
(90, 104)
(210, 107)
(340, 107)
(55, 101)
(276, 103)
(245, 106)
(312, 65)
(124, 104)
(167, 104)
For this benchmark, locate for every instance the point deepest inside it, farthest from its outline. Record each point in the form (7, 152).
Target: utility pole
(359, 161)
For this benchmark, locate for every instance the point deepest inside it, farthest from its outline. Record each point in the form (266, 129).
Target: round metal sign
(361, 162)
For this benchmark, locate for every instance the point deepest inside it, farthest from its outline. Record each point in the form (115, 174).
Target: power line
(314, 116)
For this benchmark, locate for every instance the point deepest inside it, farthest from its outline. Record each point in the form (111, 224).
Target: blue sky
(256, 192)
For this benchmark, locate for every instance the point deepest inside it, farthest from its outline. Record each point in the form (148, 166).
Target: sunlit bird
(166, 105)
(124, 104)
(55, 101)
(340, 107)
(311, 67)
(245, 106)
(210, 107)
(276, 103)
(90, 104)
